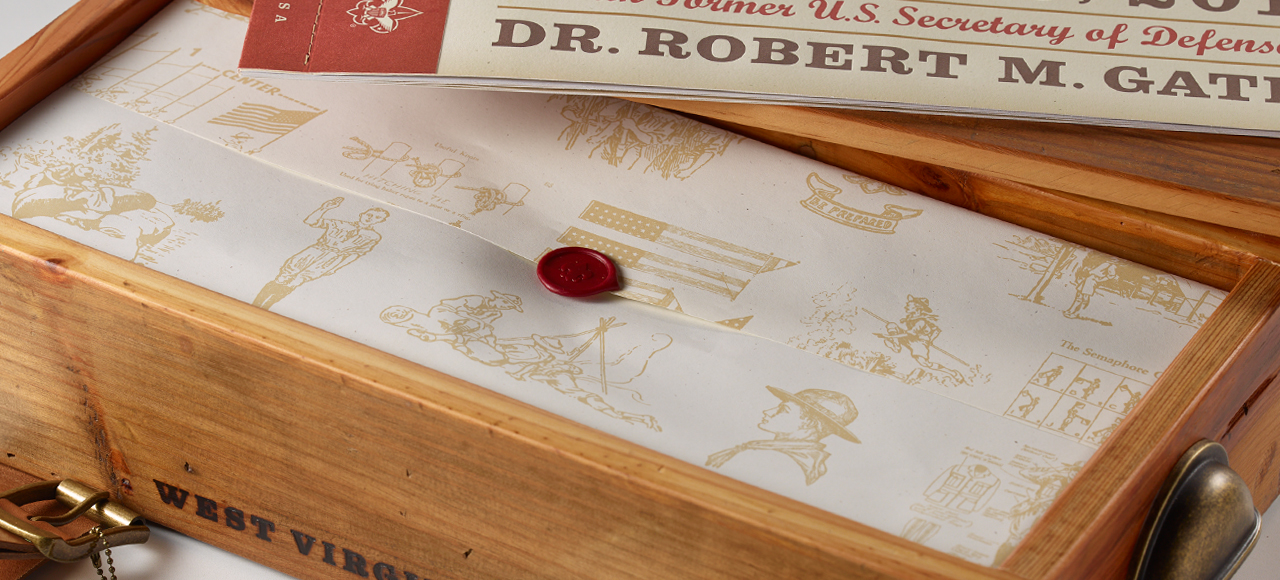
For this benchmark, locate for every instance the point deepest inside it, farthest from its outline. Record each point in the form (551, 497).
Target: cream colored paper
(1206, 65)
(317, 202)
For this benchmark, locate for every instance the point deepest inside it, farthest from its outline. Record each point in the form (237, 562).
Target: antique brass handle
(1202, 524)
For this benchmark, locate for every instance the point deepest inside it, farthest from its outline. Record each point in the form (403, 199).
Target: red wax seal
(577, 272)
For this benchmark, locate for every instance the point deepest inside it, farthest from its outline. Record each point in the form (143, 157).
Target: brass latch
(117, 525)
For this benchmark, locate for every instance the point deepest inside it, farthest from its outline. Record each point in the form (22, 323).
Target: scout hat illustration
(922, 303)
(833, 409)
(509, 299)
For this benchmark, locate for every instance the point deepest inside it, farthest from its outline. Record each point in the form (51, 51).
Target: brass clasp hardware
(117, 525)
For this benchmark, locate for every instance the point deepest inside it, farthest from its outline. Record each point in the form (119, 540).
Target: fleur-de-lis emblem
(381, 16)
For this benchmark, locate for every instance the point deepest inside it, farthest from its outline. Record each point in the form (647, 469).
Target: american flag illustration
(264, 118)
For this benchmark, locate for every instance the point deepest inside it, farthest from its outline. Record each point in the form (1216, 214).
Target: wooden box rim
(1228, 364)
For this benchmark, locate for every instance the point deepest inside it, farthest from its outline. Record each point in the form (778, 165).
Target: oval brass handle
(1202, 524)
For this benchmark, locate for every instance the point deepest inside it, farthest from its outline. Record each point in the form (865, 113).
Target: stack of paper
(1200, 65)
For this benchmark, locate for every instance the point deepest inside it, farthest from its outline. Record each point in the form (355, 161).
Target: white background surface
(23, 18)
(172, 555)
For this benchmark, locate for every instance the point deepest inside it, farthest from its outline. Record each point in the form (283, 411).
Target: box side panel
(1253, 443)
(321, 458)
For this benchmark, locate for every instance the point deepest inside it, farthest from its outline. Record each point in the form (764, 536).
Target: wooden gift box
(166, 394)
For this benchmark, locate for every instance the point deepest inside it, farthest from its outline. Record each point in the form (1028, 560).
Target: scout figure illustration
(1134, 396)
(1031, 403)
(1073, 415)
(612, 128)
(619, 138)
(1046, 378)
(1101, 435)
(622, 134)
(1049, 483)
(799, 423)
(1087, 281)
(1086, 273)
(466, 324)
(469, 319)
(917, 331)
(75, 194)
(341, 243)
(1089, 390)
(689, 147)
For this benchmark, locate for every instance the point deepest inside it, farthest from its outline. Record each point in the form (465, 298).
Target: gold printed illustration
(429, 175)
(1030, 405)
(826, 200)
(1073, 415)
(799, 424)
(174, 86)
(1094, 287)
(579, 365)
(832, 323)
(916, 332)
(381, 162)
(1046, 378)
(1041, 485)
(264, 119)
(625, 134)
(962, 493)
(1126, 402)
(910, 342)
(920, 530)
(657, 295)
(197, 7)
(736, 323)
(1076, 399)
(88, 182)
(963, 488)
(988, 492)
(1097, 437)
(678, 255)
(490, 198)
(342, 243)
